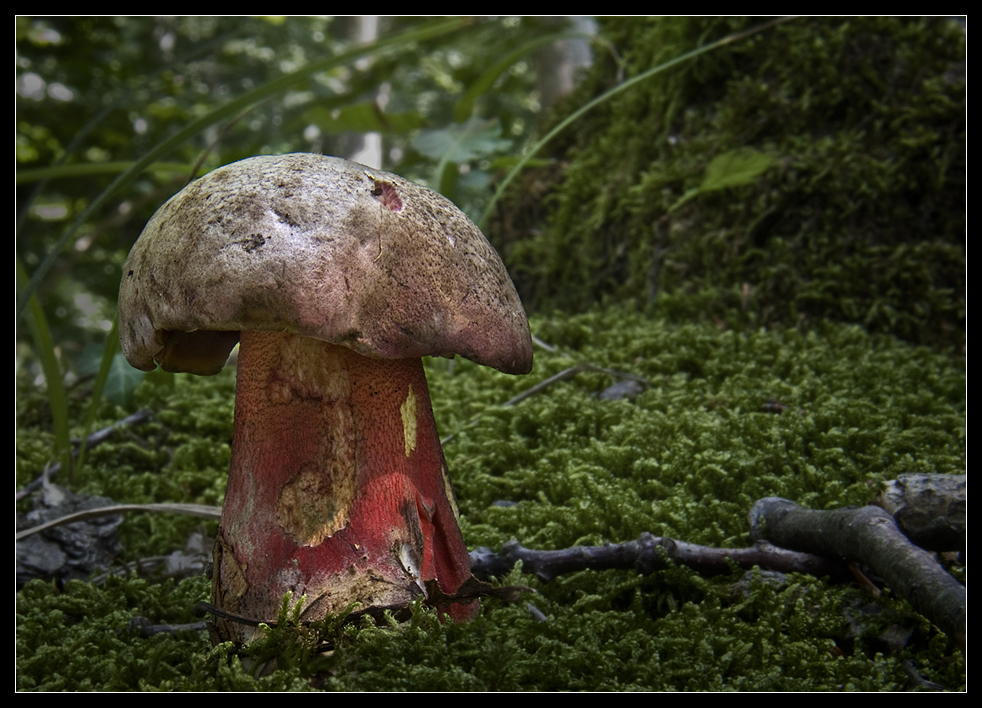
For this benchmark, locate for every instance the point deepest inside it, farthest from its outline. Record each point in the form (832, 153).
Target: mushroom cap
(321, 247)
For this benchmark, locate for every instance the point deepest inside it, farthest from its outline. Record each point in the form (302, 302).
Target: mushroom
(335, 279)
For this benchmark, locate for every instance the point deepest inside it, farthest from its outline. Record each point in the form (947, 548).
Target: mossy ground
(857, 218)
(685, 459)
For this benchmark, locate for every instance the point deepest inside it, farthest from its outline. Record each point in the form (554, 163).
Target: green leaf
(462, 142)
(110, 354)
(735, 168)
(459, 142)
(45, 349)
(121, 380)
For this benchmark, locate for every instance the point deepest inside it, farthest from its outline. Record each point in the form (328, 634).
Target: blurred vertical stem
(45, 350)
(108, 353)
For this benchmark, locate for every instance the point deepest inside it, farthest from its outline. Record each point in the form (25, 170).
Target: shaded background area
(816, 170)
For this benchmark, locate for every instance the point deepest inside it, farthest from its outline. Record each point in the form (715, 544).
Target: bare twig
(568, 374)
(146, 628)
(94, 439)
(556, 378)
(649, 554)
(201, 510)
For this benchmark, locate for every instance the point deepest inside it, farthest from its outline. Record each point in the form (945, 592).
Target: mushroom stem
(338, 489)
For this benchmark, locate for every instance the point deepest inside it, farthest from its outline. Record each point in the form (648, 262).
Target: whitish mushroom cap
(321, 247)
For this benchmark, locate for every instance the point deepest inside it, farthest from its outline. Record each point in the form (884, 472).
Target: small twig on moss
(568, 374)
(545, 345)
(202, 510)
(94, 439)
(146, 628)
(649, 554)
(556, 378)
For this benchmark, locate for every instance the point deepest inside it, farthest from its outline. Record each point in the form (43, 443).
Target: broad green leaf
(121, 380)
(462, 142)
(735, 168)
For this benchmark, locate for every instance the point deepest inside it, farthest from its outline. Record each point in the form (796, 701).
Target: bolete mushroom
(335, 279)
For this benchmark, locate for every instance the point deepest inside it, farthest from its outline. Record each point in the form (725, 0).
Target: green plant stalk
(57, 398)
(108, 352)
(576, 115)
(271, 88)
(465, 106)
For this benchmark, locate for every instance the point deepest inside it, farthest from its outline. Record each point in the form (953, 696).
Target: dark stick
(867, 535)
(649, 554)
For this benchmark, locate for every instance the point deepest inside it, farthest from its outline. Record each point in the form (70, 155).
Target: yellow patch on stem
(408, 411)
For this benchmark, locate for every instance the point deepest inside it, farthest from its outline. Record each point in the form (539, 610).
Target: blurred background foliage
(813, 170)
(96, 94)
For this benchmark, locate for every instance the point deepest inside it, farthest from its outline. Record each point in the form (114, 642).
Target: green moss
(78, 639)
(860, 216)
(180, 454)
(686, 458)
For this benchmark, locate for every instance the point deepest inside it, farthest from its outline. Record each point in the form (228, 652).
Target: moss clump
(690, 454)
(80, 638)
(181, 453)
(813, 171)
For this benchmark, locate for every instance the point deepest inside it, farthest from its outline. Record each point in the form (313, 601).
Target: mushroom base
(338, 491)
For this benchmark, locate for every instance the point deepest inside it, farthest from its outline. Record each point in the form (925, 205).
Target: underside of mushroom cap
(321, 247)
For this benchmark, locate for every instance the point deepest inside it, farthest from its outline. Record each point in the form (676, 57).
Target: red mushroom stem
(338, 488)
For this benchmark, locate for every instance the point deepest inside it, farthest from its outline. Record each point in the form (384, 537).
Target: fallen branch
(650, 554)
(870, 536)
